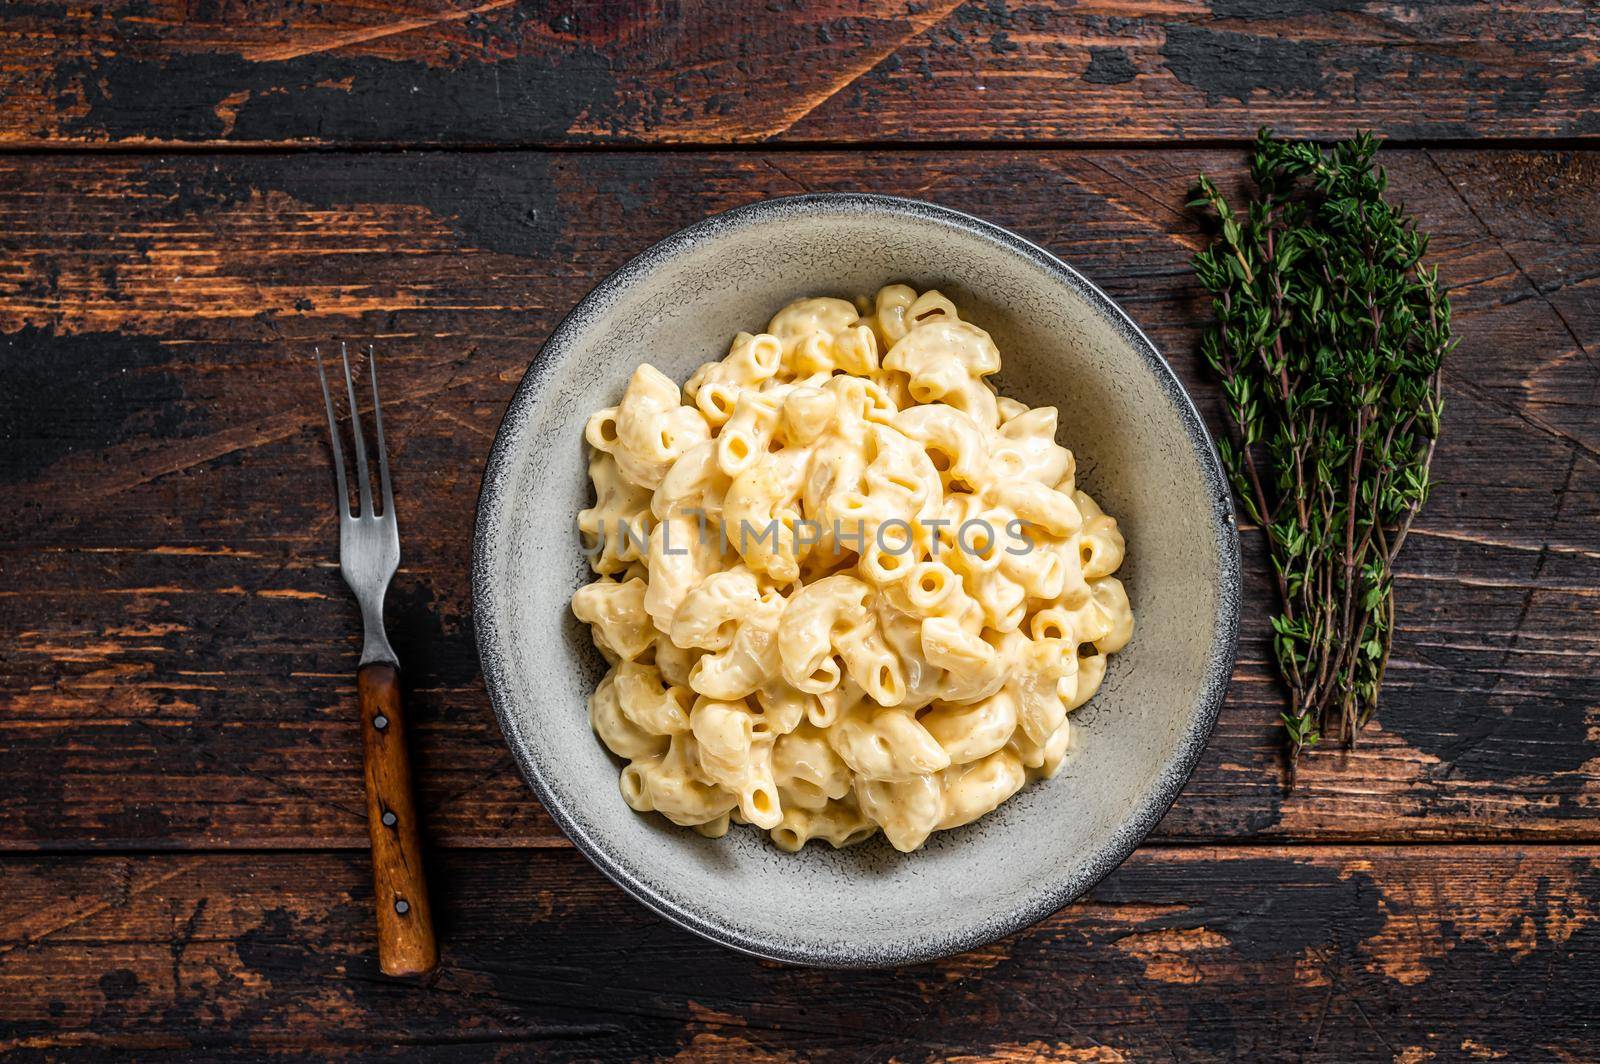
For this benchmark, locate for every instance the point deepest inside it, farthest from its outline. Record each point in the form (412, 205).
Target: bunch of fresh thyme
(1328, 339)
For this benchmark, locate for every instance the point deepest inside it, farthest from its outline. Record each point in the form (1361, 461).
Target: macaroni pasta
(844, 586)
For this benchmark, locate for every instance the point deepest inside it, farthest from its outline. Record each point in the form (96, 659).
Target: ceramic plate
(1142, 451)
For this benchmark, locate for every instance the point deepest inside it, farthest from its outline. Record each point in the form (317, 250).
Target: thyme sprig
(1328, 341)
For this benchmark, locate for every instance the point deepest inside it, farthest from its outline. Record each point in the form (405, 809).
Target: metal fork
(369, 553)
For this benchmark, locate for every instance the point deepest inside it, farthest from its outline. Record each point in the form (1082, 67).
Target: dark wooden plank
(179, 644)
(1343, 955)
(521, 73)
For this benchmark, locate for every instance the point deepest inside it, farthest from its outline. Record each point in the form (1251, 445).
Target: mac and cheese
(844, 586)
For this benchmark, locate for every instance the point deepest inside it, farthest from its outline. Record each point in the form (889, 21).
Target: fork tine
(333, 437)
(362, 479)
(383, 449)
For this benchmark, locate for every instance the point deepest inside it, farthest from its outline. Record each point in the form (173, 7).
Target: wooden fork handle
(406, 945)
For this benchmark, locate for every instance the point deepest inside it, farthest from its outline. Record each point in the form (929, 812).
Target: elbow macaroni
(844, 586)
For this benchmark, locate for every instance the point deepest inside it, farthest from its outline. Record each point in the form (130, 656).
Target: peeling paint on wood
(145, 72)
(1219, 954)
(181, 626)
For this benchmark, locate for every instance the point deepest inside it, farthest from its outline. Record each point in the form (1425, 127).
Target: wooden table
(192, 194)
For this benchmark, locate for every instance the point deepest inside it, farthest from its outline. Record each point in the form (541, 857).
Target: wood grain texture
(174, 619)
(410, 72)
(1254, 953)
(406, 942)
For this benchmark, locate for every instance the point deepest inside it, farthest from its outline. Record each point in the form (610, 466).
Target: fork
(369, 553)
